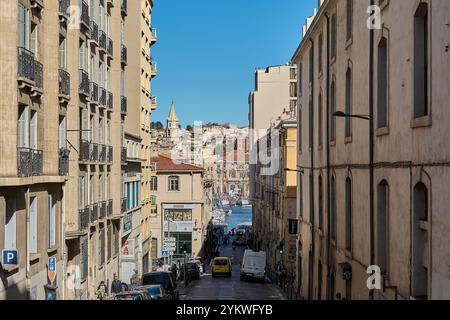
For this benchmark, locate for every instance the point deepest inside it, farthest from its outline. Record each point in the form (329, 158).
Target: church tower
(173, 123)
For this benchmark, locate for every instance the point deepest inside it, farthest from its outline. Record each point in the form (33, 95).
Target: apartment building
(183, 205)
(275, 92)
(373, 188)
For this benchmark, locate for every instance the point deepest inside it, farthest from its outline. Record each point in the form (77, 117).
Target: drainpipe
(27, 263)
(371, 149)
(311, 131)
(328, 155)
(63, 241)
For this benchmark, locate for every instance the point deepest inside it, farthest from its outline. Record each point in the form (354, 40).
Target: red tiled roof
(164, 163)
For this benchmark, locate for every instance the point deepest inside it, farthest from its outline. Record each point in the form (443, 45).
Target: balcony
(123, 155)
(94, 32)
(85, 19)
(110, 154)
(123, 205)
(102, 39)
(124, 54)
(153, 69)
(94, 92)
(38, 75)
(93, 212)
(102, 97)
(64, 9)
(124, 7)
(84, 150)
(154, 36)
(153, 103)
(102, 153)
(64, 162)
(64, 84)
(94, 152)
(110, 101)
(123, 105)
(110, 3)
(83, 218)
(109, 210)
(29, 162)
(102, 209)
(110, 47)
(26, 64)
(83, 79)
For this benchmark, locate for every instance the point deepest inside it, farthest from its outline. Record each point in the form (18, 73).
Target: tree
(189, 128)
(157, 126)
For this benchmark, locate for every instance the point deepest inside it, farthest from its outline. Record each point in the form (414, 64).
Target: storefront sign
(128, 249)
(179, 226)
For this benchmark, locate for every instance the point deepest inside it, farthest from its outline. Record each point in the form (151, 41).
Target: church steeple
(172, 114)
(173, 123)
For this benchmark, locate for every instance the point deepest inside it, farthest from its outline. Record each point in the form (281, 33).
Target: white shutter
(33, 130)
(10, 225)
(23, 127)
(51, 222)
(32, 245)
(84, 124)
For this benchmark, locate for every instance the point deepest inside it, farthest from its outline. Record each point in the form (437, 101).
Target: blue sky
(207, 52)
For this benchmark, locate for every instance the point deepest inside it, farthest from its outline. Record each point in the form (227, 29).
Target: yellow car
(221, 265)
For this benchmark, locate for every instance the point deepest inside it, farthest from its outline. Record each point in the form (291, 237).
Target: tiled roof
(164, 163)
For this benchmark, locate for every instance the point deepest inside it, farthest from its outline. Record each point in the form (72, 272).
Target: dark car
(157, 292)
(193, 270)
(133, 295)
(163, 278)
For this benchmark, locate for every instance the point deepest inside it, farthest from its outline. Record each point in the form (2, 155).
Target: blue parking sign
(9, 257)
(52, 264)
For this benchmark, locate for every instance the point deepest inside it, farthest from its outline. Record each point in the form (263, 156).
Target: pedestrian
(116, 286)
(175, 271)
(102, 291)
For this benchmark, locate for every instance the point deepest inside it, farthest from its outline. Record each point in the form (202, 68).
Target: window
(320, 119)
(348, 214)
(84, 257)
(382, 83)
(81, 192)
(300, 78)
(82, 56)
(51, 221)
(293, 89)
(10, 225)
(420, 242)
(23, 133)
(33, 130)
(348, 102)
(332, 111)
(293, 75)
(333, 213)
(62, 53)
(23, 27)
(333, 36)
(349, 19)
(174, 183)
(293, 226)
(122, 83)
(320, 52)
(33, 217)
(299, 130)
(110, 241)
(421, 61)
(34, 40)
(381, 226)
(320, 203)
(62, 132)
(311, 122)
(154, 184)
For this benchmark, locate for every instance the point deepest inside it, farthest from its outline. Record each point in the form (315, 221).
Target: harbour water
(239, 215)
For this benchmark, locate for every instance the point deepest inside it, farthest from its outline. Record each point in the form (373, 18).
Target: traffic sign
(51, 269)
(10, 257)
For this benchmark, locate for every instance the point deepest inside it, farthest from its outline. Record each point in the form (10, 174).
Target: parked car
(163, 278)
(193, 270)
(253, 265)
(133, 295)
(221, 266)
(241, 238)
(156, 292)
(199, 264)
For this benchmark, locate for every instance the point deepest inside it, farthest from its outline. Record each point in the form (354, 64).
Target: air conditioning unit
(345, 271)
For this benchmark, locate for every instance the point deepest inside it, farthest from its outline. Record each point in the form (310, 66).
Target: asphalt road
(223, 288)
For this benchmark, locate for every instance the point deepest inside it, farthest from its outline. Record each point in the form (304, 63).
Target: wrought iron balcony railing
(123, 206)
(102, 96)
(124, 7)
(102, 153)
(102, 40)
(124, 54)
(93, 212)
(94, 31)
(38, 75)
(84, 150)
(110, 47)
(110, 154)
(26, 64)
(29, 162)
(123, 155)
(110, 101)
(83, 218)
(154, 35)
(102, 209)
(83, 82)
(94, 92)
(109, 211)
(85, 14)
(94, 152)
(64, 161)
(123, 104)
(64, 82)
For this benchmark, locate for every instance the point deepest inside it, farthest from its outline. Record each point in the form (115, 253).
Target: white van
(253, 265)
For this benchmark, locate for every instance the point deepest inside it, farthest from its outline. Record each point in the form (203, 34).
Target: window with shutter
(23, 127)
(10, 225)
(33, 130)
(32, 245)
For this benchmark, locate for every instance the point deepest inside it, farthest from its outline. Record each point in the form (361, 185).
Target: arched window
(382, 226)
(420, 242)
(174, 183)
(348, 214)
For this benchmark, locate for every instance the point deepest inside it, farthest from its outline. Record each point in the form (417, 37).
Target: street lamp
(345, 115)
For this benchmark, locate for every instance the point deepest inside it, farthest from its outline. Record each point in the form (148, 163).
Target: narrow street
(223, 288)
